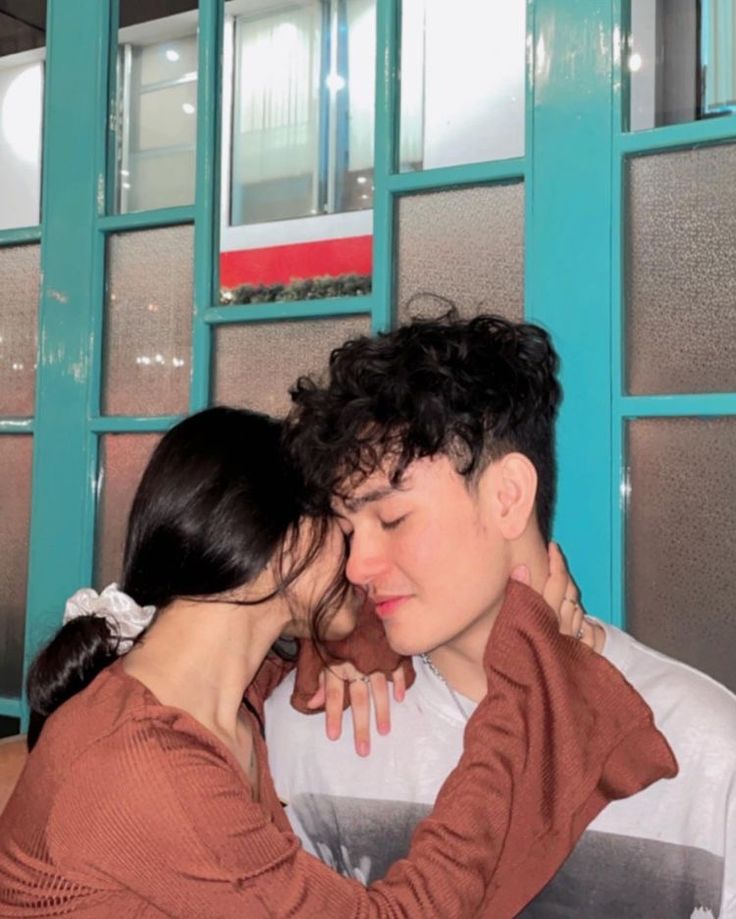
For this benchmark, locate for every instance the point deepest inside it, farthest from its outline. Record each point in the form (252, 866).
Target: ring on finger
(581, 631)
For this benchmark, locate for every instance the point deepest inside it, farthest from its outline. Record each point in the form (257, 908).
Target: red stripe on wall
(281, 264)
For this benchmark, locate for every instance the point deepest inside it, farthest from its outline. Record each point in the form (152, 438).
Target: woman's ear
(509, 490)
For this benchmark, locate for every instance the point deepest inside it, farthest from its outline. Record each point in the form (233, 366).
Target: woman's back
(113, 787)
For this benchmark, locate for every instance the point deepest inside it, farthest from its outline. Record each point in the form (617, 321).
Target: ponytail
(70, 661)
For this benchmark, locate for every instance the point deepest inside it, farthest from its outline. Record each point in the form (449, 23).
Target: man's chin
(405, 645)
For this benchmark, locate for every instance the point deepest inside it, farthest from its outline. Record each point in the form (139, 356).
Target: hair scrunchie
(122, 613)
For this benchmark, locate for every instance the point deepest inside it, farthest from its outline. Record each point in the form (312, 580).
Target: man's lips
(386, 606)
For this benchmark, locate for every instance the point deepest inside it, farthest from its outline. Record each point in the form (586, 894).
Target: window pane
(681, 558)
(256, 363)
(462, 81)
(20, 278)
(680, 281)
(275, 166)
(156, 124)
(299, 90)
(15, 501)
(122, 460)
(22, 57)
(681, 65)
(148, 322)
(466, 245)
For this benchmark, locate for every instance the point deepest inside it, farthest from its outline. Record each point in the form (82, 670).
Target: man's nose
(366, 560)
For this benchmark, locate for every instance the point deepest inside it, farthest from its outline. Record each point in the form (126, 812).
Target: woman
(147, 792)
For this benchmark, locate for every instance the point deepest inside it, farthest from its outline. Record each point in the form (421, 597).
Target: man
(435, 447)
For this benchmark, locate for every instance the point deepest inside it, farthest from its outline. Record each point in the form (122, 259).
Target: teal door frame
(574, 225)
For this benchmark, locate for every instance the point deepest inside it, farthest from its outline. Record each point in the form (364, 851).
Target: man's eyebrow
(354, 504)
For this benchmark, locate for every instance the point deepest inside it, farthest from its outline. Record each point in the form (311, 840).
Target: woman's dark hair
(217, 500)
(472, 389)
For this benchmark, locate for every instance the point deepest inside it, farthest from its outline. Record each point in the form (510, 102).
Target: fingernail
(363, 748)
(332, 732)
(384, 727)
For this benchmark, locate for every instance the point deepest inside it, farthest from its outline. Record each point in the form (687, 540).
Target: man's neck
(460, 661)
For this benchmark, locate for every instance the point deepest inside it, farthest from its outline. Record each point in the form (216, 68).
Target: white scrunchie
(127, 619)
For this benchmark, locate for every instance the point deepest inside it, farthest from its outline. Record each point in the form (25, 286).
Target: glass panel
(462, 81)
(156, 123)
(20, 278)
(297, 165)
(15, 500)
(148, 327)
(22, 58)
(681, 64)
(681, 287)
(256, 363)
(466, 245)
(681, 559)
(122, 460)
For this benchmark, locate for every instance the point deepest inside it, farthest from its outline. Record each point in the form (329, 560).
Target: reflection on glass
(297, 170)
(15, 501)
(681, 62)
(156, 119)
(462, 81)
(22, 57)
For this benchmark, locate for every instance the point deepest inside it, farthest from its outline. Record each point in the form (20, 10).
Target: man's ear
(509, 488)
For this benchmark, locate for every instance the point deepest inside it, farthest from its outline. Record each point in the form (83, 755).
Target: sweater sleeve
(366, 647)
(163, 812)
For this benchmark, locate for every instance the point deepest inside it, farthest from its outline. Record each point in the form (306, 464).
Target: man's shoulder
(677, 692)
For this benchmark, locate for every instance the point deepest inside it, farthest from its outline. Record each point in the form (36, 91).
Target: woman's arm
(559, 734)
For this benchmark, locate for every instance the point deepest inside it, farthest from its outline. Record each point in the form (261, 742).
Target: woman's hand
(361, 689)
(561, 593)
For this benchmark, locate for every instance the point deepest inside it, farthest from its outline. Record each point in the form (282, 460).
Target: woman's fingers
(360, 706)
(398, 678)
(363, 692)
(558, 587)
(318, 699)
(334, 700)
(381, 703)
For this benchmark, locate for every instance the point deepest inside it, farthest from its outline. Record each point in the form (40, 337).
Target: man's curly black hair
(474, 390)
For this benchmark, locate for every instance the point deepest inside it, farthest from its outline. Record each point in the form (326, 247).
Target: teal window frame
(576, 146)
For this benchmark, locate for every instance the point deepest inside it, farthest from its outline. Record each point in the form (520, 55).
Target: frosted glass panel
(15, 501)
(22, 62)
(462, 81)
(122, 460)
(148, 327)
(681, 559)
(681, 283)
(466, 244)
(19, 291)
(255, 364)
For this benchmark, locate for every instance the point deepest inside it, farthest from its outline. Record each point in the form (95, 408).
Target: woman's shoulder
(115, 720)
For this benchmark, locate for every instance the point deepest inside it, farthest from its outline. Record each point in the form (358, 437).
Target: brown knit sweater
(128, 807)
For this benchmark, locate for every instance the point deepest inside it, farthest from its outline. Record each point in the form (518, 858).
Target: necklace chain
(425, 659)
